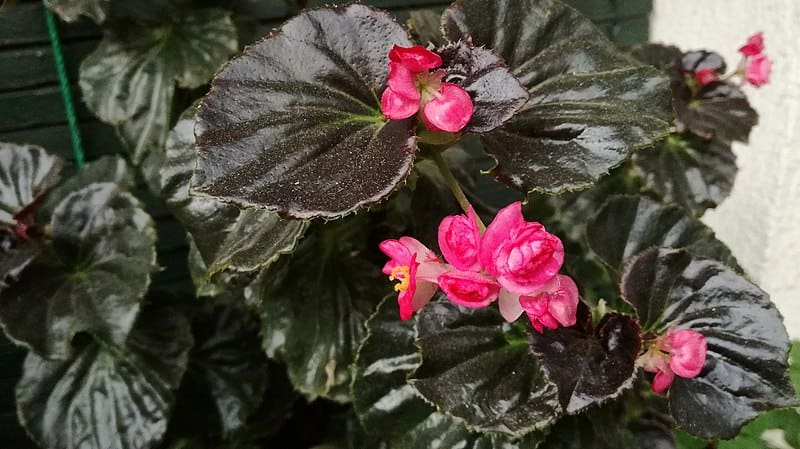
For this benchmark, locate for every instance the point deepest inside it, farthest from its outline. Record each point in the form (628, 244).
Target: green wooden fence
(31, 111)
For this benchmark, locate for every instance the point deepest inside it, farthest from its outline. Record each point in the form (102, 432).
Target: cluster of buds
(755, 67)
(681, 352)
(514, 262)
(413, 88)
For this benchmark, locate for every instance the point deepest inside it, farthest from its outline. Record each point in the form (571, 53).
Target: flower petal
(403, 81)
(398, 107)
(510, 308)
(469, 289)
(450, 111)
(754, 45)
(564, 301)
(663, 380)
(497, 232)
(416, 58)
(688, 350)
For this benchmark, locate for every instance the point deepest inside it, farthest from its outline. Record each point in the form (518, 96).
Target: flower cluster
(681, 352)
(758, 67)
(514, 262)
(755, 67)
(443, 107)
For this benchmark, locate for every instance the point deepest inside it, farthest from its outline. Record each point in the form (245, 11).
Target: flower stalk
(455, 187)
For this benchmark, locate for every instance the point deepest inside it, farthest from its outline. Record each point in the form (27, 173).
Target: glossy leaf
(313, 306)
(71, 10)
(627, 225)
(111, 169)
(496, 94)
(746, 363)
(657, 55)
(26, 173)
(15, 255)
(228, 360)
(478, 368)
(389, 407)
(383, 400)
(227, 239)
(694, 173)
(720, 110)
(91, 278)
(129, 80)
(590, 366)
(629, 422)
(108, 397)
(294, 125)
(590, 106)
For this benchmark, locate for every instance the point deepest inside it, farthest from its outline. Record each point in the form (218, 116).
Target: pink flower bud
(688, 350)
(416, 269)
(705, 76)
(468, 288)
(522, 255)
(460, 240)
(446, 107)
(754, 45)
(758, 70)
(556, 304)
(681, 352)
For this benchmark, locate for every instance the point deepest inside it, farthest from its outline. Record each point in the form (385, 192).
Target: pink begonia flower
(416, 268)
(468, 288)
(754, 45)
(705, 76)
(681, 352)
(446, 107)
(522, 255)
(556, 304)
(460, 241)
(758, 70)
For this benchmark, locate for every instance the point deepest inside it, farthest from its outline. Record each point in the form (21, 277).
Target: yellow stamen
(400, 273)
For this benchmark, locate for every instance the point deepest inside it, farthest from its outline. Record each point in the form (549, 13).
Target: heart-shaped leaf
(91, 277)
(294, 125)
(111, 169)
(70, 10)
(26, 173)
(477, 367)
(746, 363)
(590, 366)
(227, 360)
(313, 307)
(388, 406)
(720, 110)
(129, 80)
(627, 225)
(228, 239)
(108, 397)
(694, 173)
(590, 106)
(496, 94)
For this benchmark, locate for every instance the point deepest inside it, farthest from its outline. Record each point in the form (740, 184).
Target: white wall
(760, 221)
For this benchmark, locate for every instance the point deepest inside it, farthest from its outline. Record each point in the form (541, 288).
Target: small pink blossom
(754, 45)
(681, 352)
(416, 269)
(468, 288)
(705, 76)
(460, 241)
(758, 70)
(445, 106)
(522, 255)
(556, 304)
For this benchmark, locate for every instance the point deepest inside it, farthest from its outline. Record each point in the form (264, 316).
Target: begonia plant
(483, 235)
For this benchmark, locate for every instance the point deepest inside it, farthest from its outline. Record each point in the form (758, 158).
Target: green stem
(451, 181)
(66, 93)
